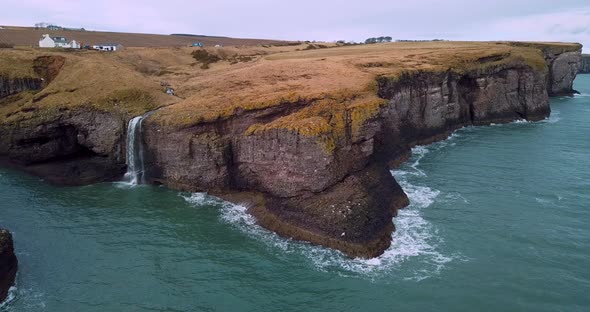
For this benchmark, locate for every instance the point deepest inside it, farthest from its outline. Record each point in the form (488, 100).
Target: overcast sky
(555, 20)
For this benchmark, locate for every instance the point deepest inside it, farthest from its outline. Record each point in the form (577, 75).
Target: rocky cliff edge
(304, 138)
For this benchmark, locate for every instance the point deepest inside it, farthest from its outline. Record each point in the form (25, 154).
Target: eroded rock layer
(585, 67)
(76, 149)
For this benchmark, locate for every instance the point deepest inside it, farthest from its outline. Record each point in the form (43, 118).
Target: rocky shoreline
(8, 264)
(327, 181)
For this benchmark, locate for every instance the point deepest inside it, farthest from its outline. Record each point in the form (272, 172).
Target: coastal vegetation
(243, 78)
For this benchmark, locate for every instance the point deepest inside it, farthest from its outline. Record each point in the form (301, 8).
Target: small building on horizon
(111, 47)
(58, 42)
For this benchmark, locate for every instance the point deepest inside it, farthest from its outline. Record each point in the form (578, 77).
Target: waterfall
(135, 166)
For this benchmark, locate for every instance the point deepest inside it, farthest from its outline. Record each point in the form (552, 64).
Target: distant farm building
(108, 47)
(197, 44)
(58, 42)
(54, 27)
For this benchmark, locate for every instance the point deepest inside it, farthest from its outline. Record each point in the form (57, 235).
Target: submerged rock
(8, 263)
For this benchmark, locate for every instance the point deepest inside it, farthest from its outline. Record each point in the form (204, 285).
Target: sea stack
(8, 263)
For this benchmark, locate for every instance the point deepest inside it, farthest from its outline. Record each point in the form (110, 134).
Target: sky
(328, 20)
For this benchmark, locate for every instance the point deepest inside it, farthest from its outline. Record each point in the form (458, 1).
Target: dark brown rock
(427, 107)
(353, 216)
(585, 66)
(10, 86)
(8, 263)
(78, 148)
(48, 66)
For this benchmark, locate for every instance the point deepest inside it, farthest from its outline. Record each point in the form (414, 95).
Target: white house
(58, 42)
(108, 47)
(75, 44)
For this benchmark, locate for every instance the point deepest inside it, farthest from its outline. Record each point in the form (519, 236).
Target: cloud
(318, 19)
(570, 26)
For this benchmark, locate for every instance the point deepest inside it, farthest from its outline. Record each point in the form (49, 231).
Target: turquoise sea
(499, 221)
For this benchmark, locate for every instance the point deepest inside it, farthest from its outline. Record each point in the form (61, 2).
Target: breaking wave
(5, 305)
(415, 242)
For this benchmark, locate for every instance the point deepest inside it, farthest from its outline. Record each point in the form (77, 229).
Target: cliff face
(332, 189)
(585, 67)
(314, 169)
(10, 86)
(563, 68)
(8, 263)
(76, 149)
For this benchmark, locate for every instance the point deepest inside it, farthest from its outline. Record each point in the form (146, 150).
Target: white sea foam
(9, 299)
(414, 238)
(28, 298)
(553, 118)
(124, 185)
(201, 199)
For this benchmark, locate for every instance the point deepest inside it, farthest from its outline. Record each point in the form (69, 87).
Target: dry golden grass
(14, 63)
(317, 74)
(90, 80)
(337, 81)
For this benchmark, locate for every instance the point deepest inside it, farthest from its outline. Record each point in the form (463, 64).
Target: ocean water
(498, 221)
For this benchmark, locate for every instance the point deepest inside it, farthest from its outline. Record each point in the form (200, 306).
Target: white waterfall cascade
(135, 166)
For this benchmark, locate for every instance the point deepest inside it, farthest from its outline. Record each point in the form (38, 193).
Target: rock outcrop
(76, 149)
(314, 169)
(563, 71)
(45, 69)
(8, 263)
(333, 188)
(563, 68)
(585, 67)
(563, 62)
(10, 86)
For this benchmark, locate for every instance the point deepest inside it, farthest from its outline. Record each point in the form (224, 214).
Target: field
(334, 79)
(28, 36)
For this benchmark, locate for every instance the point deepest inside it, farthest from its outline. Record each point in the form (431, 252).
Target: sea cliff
(305, 139)
(585, 66)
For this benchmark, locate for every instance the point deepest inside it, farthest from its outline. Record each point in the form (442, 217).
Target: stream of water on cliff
(498, 221)
(135, 164)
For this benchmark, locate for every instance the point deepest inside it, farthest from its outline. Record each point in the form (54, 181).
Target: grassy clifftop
(333, 81)
(85, 81)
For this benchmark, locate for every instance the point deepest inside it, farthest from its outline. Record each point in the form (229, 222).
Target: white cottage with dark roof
(58, 42)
